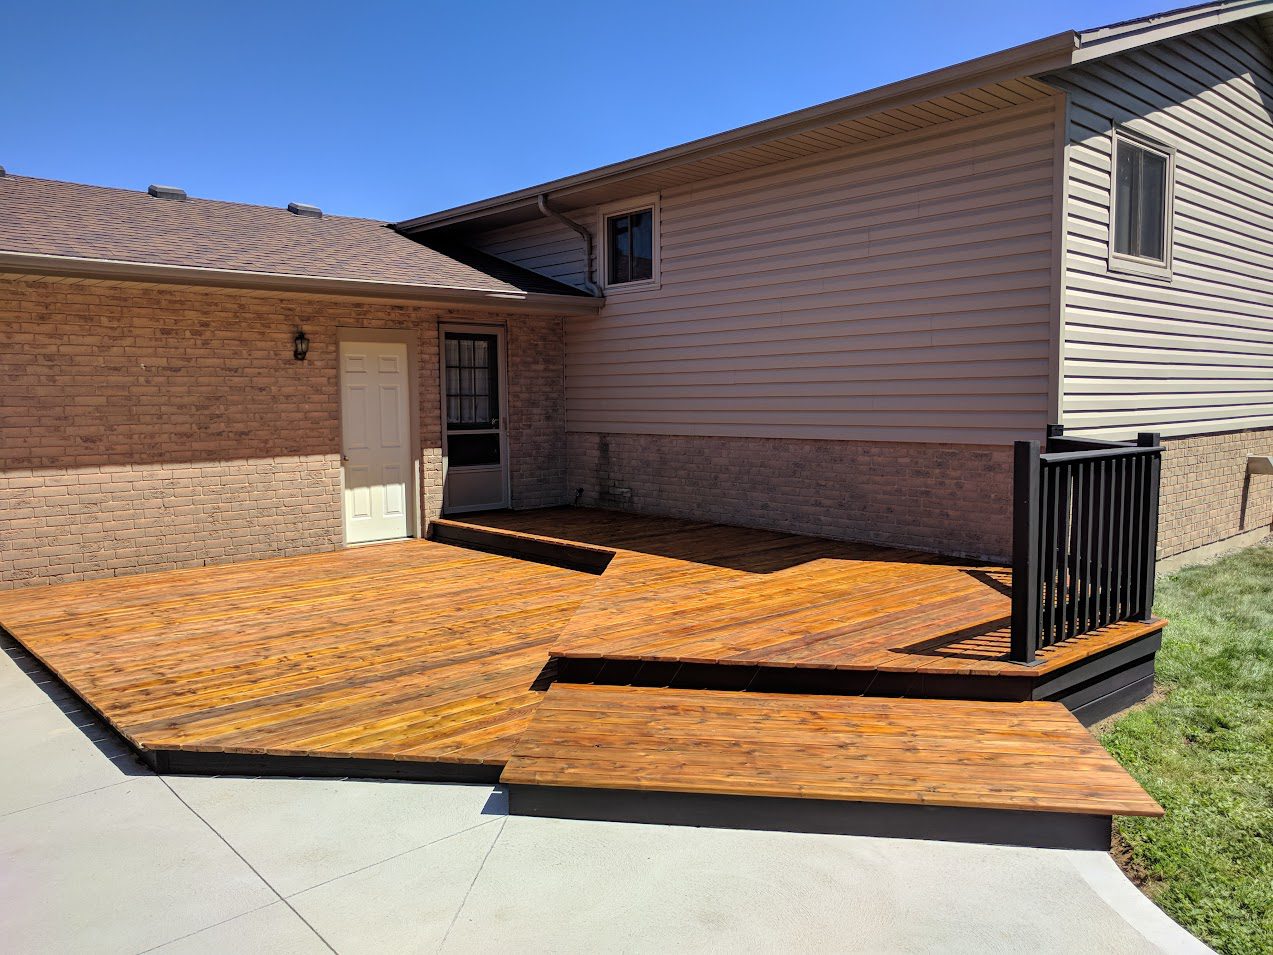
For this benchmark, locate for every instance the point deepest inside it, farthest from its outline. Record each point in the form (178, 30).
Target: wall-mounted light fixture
(300, 345)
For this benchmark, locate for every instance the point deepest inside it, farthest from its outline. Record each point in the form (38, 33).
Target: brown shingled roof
(49, 217)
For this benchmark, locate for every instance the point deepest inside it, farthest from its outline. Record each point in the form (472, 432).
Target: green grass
(1203, 746)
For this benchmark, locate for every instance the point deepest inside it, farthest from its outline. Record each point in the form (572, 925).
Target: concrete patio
(97, 854)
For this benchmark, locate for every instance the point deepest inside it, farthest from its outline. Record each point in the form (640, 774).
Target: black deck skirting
(186, 762)
(1108, 677)
(1015, 827)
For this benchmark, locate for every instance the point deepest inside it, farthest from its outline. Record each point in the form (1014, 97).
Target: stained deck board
(420, 651)
(694, 593)
(1025, 756)
(406, 651)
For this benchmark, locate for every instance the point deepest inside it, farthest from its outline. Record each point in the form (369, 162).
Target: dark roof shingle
(50, 217)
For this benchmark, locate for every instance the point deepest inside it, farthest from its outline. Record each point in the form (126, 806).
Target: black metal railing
(1085, 536)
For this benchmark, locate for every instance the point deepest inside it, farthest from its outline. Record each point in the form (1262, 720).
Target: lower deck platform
(1016, 773)
(430, 659)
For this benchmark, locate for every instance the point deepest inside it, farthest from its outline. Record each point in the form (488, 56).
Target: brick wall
(537, 411)
(950, 498)
(145, 428)
(1207, 496)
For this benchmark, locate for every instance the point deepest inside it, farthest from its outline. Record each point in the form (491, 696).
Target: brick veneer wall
(537, 411)
(948, 498)
(145, 428)
(1207, 496)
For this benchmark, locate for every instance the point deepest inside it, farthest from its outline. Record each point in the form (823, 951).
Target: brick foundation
(950, 498)
(1207, 496)
(146, 428)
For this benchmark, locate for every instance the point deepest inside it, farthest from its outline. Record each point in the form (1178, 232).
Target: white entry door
(377, 438)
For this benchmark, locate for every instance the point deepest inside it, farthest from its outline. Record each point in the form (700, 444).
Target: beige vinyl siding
(1192, 354)
(542, 245)
(898, 290)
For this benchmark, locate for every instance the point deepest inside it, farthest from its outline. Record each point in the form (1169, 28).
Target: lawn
(1203, 746)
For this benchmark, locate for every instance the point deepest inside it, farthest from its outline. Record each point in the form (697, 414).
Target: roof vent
(2, 172)
(300, 209)
(167, 192)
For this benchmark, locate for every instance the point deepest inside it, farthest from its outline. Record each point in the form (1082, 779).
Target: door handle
(344, 457)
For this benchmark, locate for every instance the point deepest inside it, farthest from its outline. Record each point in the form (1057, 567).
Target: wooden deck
(413, 651)
(696, 594)
(426, 660)
(588, 745)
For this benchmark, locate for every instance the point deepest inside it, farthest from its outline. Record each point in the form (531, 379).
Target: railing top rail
(1060, 442)
(1066, 457)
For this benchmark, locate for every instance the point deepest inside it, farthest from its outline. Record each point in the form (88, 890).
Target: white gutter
(115, 270)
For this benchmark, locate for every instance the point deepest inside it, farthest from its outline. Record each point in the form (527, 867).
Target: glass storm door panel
(376, 432)
(476, 449)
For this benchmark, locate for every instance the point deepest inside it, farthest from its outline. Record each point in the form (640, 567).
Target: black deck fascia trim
(1015, 827)
(1114, 702)
(205, 763)
(1072, 686)
(589, 560)
(776, 679)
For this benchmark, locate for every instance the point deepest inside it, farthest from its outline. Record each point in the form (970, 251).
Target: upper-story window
(630, 256)
(1142, 205)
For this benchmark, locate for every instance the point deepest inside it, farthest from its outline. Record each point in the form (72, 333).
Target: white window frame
(1134, 264)
(604, 215)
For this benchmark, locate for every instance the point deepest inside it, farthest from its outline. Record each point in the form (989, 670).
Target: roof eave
(1106, 41)
(1040, 56)
(114, 270)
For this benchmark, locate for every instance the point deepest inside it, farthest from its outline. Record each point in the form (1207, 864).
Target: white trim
(415, 482)
(1060, 258)
(500, 331)
(1142, 266)
(604, 215)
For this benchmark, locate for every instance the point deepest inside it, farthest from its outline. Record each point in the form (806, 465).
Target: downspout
(587, 241)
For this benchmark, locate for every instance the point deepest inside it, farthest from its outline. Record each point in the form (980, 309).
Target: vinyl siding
(1192, 354)
(898, 290)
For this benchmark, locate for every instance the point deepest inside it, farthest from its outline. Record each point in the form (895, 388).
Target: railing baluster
(1098, 543)
(1055, 476)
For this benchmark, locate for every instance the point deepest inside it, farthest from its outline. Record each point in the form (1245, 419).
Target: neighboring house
(834, 322)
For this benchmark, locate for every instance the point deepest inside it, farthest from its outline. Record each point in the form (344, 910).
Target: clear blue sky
(391, 110)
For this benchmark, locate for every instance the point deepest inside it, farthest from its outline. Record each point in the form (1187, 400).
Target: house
(834, 322)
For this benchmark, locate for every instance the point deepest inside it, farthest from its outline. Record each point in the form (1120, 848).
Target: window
(630, 247)
(472, 399)
(1142, 211)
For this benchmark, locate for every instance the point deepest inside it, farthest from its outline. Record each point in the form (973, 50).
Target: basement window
(630, 253)
(1141, 212)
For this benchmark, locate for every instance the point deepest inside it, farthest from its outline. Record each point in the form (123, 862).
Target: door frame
(500, 331)
(398, 337)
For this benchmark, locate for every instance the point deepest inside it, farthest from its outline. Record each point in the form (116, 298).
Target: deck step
(536, 547)
(1011, 773)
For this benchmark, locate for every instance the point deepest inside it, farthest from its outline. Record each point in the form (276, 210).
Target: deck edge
(1018, 827)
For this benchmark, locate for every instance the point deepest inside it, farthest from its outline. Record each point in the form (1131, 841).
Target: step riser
(1048, 830)
(590, 560)
(1100, 677)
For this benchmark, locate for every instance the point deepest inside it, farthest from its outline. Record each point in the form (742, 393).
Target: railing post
(1149, 439)
(1025, 551)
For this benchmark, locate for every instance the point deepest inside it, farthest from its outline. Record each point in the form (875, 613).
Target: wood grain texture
(698, 593)
(426, 652)
(1032, 756)
(411, 650)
